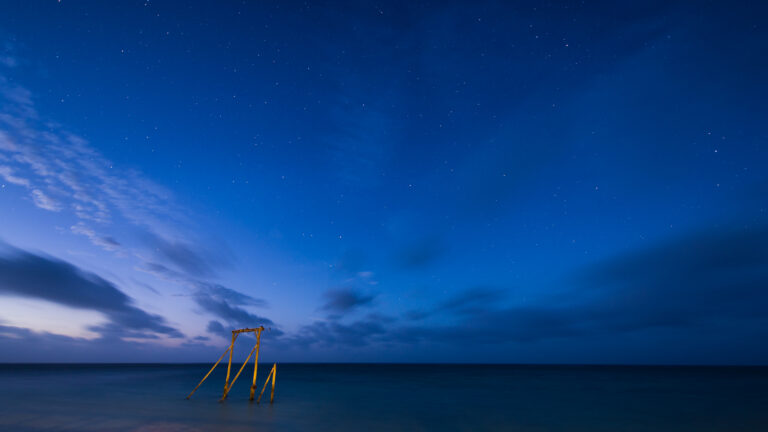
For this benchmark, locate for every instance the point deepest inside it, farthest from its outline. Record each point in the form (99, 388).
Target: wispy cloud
(8, 61)
(63, 172)
(182, 255)
(105, 242)
(7, 174)
(39, 198)
(44, 201)
(7, 57)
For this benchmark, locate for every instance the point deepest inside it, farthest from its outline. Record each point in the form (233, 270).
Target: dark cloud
(416, 315)
(110, 241)
(471, 301)
(499, 325)
(330, 334)
(216, 327)
(343, 300)
(112, 330)
(706, 277)
(29, 275)
(703, 284)
(229, 295)
(225, 304)
(468, 301)
(706, 280)
(422, 253)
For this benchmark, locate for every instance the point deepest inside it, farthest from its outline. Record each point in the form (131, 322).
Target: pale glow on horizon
(44, 316)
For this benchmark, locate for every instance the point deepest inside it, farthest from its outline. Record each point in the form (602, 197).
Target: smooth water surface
(369, 398)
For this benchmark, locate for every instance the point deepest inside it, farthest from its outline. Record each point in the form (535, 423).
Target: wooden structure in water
(227, 384)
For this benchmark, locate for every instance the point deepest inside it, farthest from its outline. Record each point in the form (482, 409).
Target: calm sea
(386, 398)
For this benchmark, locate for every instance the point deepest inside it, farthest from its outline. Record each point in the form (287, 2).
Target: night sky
(525, 182)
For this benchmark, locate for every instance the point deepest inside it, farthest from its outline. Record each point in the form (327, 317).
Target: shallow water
(386, 398)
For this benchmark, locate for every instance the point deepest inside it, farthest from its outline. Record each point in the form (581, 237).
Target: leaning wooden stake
(256, 362)
(209, 372)
(272, 374)
(226, 390)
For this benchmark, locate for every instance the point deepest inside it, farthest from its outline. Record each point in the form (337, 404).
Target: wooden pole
(272, 371)
(256, 362)
(229, 365)
(209, 372)
(274, 375)
(226, 391)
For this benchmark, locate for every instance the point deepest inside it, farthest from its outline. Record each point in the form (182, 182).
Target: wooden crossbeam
(249, 330)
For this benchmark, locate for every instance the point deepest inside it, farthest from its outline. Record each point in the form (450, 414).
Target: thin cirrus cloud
(63, 173)
(105, 242)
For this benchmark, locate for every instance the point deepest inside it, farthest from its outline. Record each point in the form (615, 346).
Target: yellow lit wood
(256, 361)
(271, 373)
(227, 384)
(274, 375)
(209, 372)
(226, 390)
(248, 330)
(229, 365)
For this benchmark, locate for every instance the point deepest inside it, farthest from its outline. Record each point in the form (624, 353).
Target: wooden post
(226, 390)
(229, 365)
(274, 375)
(256, 362)
(209, 372)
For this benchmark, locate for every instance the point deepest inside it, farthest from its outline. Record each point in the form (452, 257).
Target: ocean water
(367, 398)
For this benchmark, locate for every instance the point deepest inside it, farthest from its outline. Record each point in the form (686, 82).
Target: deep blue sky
(552, 182)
